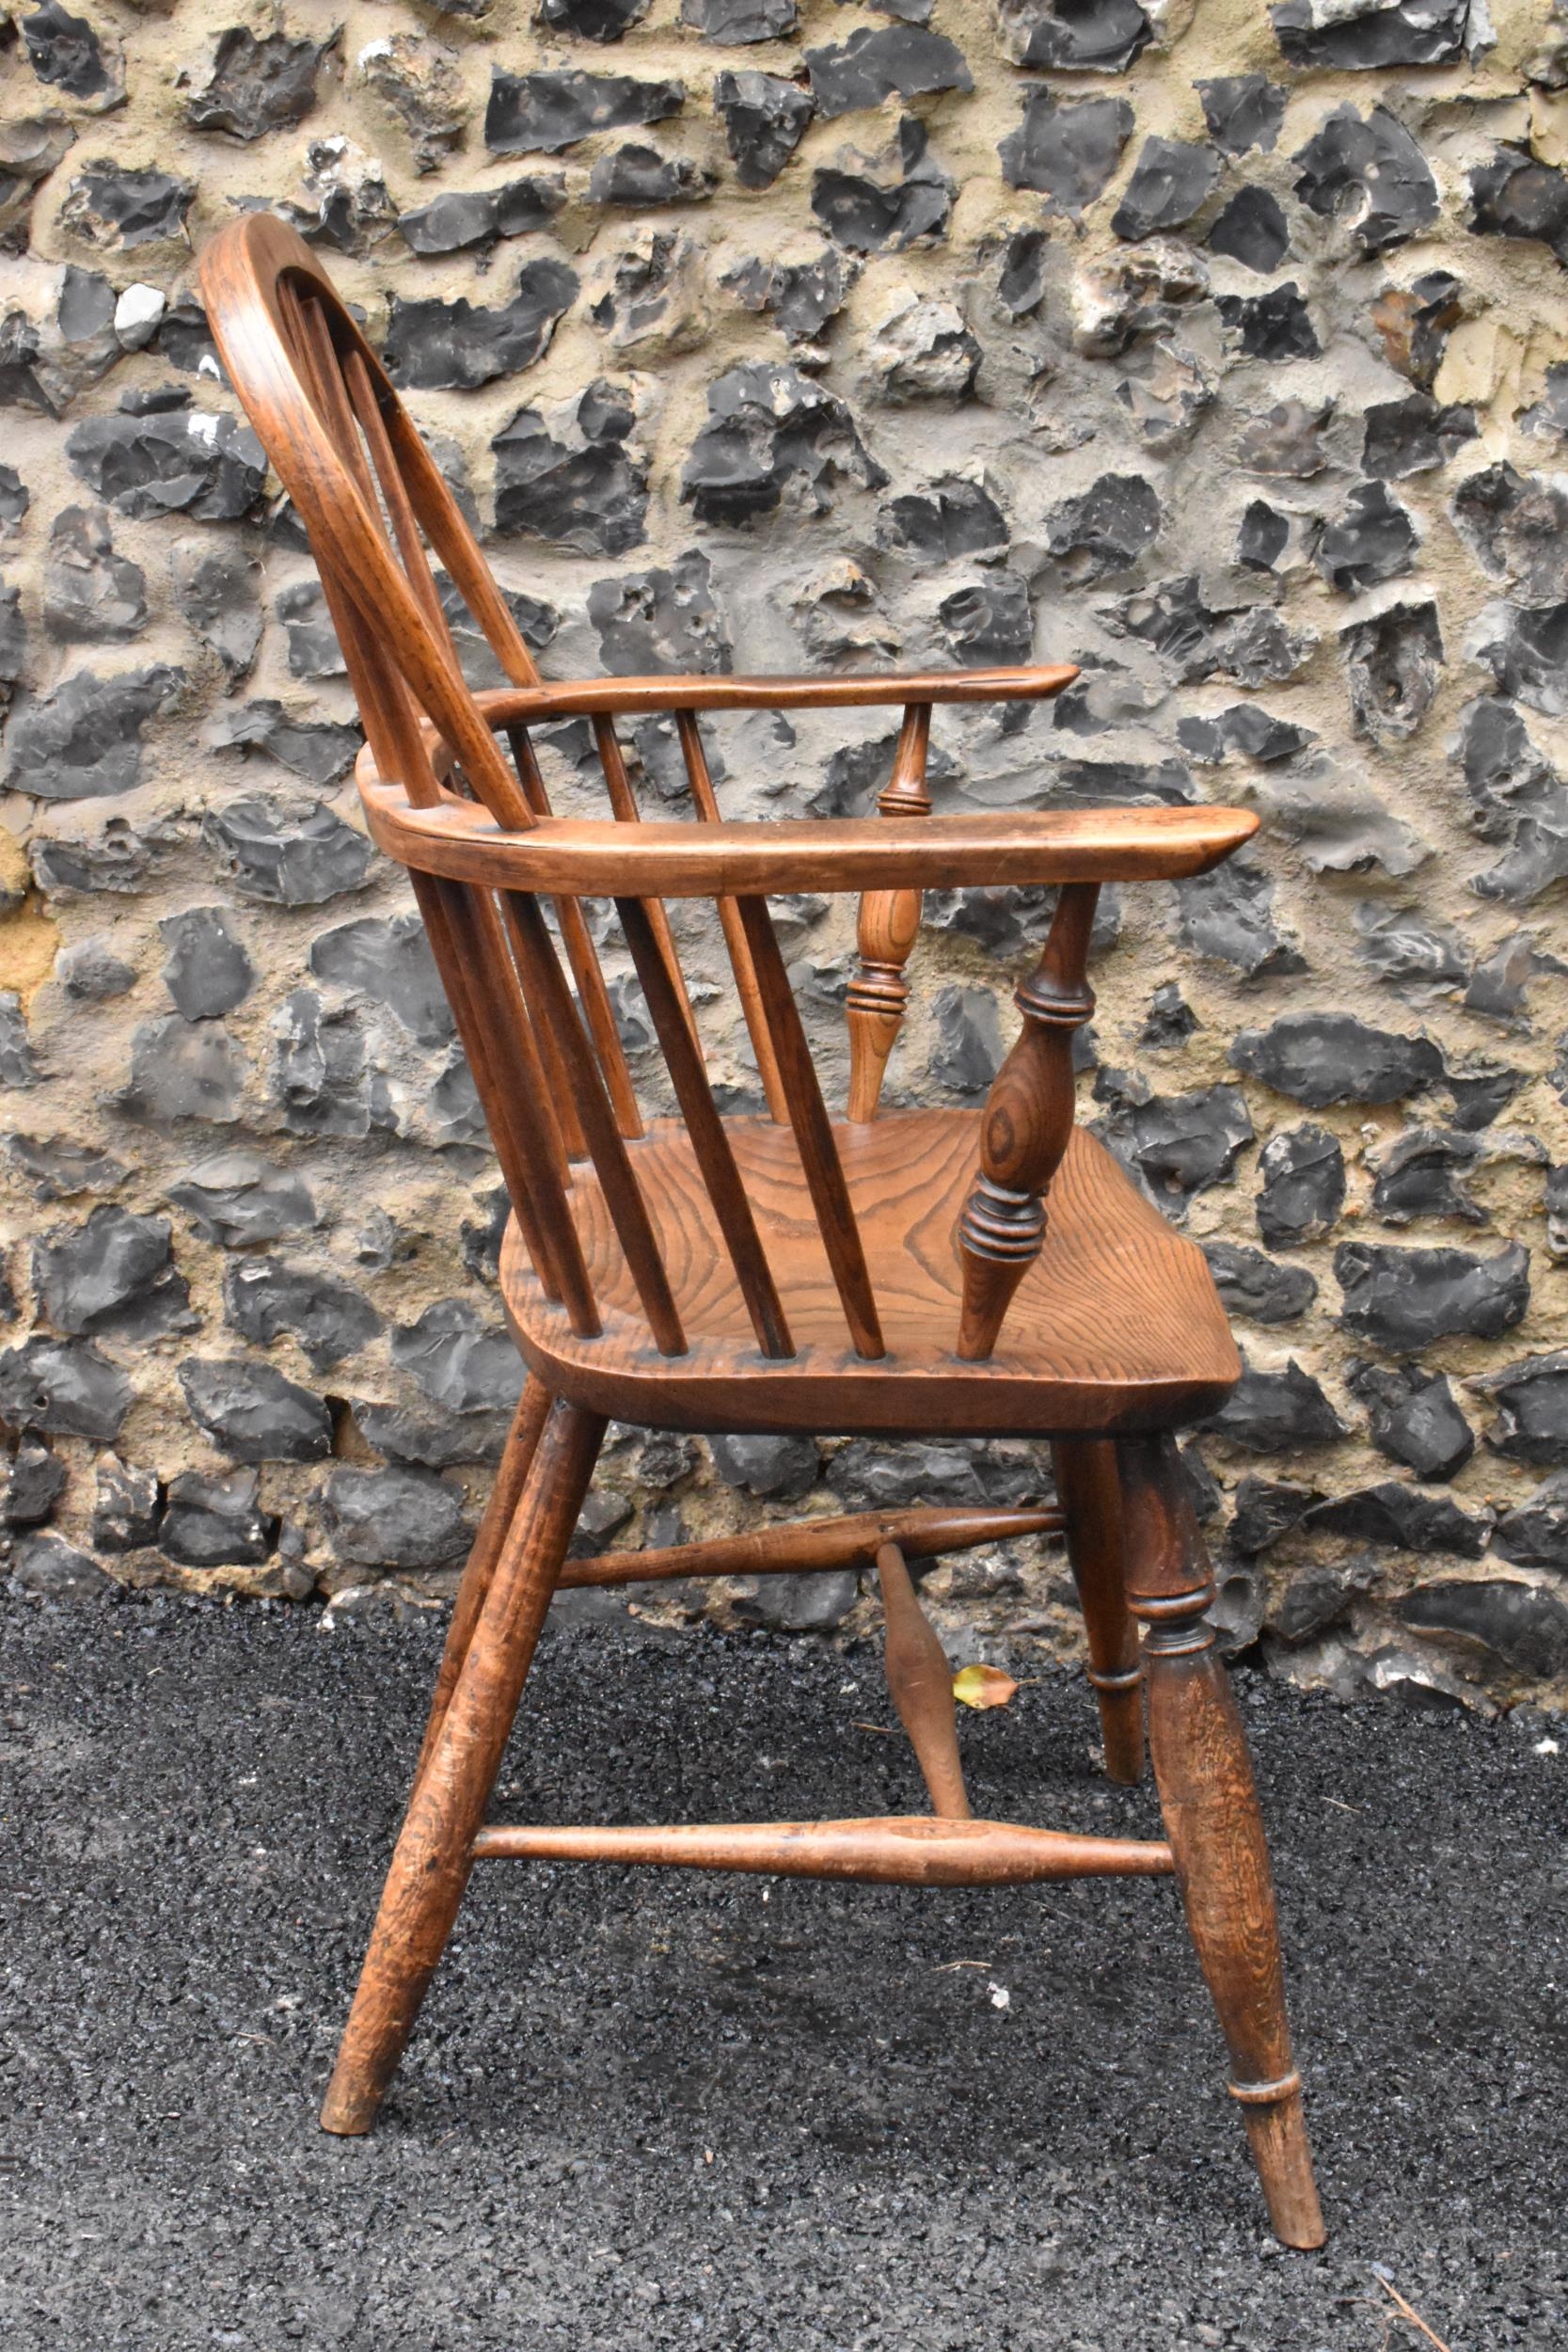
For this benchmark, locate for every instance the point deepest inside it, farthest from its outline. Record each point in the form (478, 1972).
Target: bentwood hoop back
(894, 1272)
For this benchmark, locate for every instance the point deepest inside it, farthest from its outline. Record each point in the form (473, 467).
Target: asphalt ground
(650, 2109)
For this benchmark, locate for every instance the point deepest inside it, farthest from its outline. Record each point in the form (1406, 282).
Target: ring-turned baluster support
(1027, 1128)
(889, 927)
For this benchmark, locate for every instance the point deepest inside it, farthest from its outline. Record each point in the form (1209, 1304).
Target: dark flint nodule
(765, 121)
(1370, 171)
(1067, 149)
(542, 114)
(1075, 36)
(1170, 181)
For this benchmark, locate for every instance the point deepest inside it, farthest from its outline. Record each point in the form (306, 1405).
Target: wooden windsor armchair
(893, 1274)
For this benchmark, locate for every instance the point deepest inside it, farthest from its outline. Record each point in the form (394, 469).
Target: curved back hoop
(344, 449)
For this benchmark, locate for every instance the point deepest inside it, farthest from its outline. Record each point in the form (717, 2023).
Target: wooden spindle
(889, 927)
(813, 1135)
(394, 494)
(319, 356)
(705, 800)
(491, 979)
(890, 1851)
(346, 395)
(920, 1682)
(446, 529)
(710, 1142)
(424, 656)
(399, 749)
(1027, 1127)
(463, 925)
(476, 972)
(416, 564)
(551, 1045)
(547, 992)
(922, 1531)
(584, 956)
(623, 804)
(486, 1057)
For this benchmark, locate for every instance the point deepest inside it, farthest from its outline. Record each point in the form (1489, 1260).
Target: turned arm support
(888, 928)
(1027, 1127)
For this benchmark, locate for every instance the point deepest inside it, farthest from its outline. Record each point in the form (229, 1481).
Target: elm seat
(1114, 1289)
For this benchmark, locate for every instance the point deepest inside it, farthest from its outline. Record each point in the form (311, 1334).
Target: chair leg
(434, 1849)
(1090, 1493)
(1210, 1803)
(500, 1512)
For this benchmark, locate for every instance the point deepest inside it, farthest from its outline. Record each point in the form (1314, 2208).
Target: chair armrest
(523, 706)
(601, 859)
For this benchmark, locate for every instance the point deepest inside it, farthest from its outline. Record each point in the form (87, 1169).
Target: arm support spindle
(1027, 1125)
(889, 927)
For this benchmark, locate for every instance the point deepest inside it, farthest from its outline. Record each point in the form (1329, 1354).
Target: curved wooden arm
(514, 706)
(581, 857)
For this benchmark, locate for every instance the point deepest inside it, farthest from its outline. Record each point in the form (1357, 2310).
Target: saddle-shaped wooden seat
(908, 1274)
(1116, 1326)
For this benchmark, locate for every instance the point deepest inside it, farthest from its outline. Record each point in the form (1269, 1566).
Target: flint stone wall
(1220, 349)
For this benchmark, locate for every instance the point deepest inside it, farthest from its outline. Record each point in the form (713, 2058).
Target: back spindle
(814, 1134)
(387, 593)
(550, 1001)
(706, 802)
(394, 493)
(584, 956)
(710, 1143)
(623, 804)
(500, 1053)
(475, 969)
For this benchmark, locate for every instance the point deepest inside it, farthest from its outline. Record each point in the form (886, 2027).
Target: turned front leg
(1027, 1126)
(1207, 1794)
(889, 927)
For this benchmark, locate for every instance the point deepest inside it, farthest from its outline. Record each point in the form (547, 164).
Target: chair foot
(434, 1849)
(348, 2116)
(1276, 2128)
(1090, 1494)
(1210, 1803)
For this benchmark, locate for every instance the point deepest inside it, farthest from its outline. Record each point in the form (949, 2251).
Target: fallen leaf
(983, 1686)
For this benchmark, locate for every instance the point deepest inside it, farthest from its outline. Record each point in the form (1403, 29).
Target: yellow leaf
(983, 1686)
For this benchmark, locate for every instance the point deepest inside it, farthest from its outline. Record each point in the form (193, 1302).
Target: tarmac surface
(647, 2110)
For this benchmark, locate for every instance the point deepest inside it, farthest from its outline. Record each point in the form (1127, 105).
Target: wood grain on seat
(1116, 1326)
